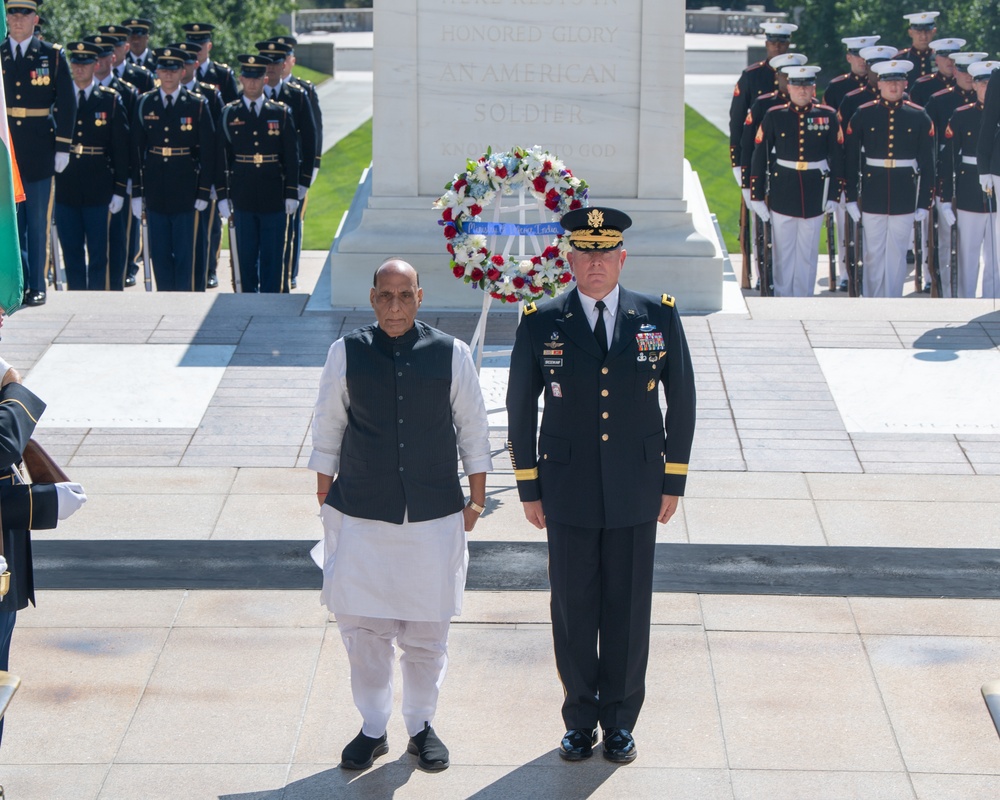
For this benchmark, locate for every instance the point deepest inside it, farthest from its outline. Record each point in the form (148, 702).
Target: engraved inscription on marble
(565, 76)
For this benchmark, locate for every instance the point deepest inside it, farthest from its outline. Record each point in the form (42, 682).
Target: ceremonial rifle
(831, 242)
(851, 256)
(745, 243)
(767, 273)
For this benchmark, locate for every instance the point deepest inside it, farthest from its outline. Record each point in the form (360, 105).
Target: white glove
(738, 174)
(212, 194)
(302, 191)
(4, 366)
(291, 206)
(760, 209)
(137, 207)
(315, 173)
(746, 197)
(225, 211)
(986, 181)
(62, 161)
(200, 205)
(70, 497)
(117, 201)
(831, 207)
(947, 212)
(854, 211)
(920, 215)
(3, 564)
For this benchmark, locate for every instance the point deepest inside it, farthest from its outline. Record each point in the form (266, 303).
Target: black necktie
(256, 109)
(600, 331)
(17, 54)
(83, 97)
(170, 101)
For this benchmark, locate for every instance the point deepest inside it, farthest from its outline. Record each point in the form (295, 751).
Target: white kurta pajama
(385, 581)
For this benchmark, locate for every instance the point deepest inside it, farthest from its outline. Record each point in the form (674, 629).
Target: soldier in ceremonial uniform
(139, 51)
(41, 108)
(890, 177)
(295, 98)
(606, 467)
(94, 182)
(853, 100)
(939, 107)
(927, 85)
(757, 79)
(208, 71)
(835, 92)
(962, 196)
(209, 226)
(795, 177)
(140, 77)
(922, 30)
(310, 90)
(173, 152)
(988, 148)
(258, 165)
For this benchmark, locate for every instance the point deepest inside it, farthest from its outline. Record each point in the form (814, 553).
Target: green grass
(707, 148)
(331, 194)
(309, 74)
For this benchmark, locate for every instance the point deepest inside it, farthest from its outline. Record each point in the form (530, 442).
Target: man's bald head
(395, 265)
(396, 296)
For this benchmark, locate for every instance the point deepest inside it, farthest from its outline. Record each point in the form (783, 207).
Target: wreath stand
(478, 343)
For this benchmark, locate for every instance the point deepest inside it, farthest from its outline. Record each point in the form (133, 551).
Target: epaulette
(107, 89)
(825, 107)
(223, 66)
(911, 104)
(531, 308)
(667, 300)
(56, 46)
(868, 104)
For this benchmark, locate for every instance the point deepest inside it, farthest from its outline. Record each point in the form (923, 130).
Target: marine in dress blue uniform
(41, 109)
(963, 200)
(795, 178)
(92, 188)
(922, 30)
(944, 77)
(173, 164)
(258, 167)
(603, 468)
(853, 100)
(757, 79)
(890, 163)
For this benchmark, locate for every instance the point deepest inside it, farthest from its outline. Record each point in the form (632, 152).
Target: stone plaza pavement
(825, 611)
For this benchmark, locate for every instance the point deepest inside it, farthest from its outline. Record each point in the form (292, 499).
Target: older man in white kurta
(399, 402)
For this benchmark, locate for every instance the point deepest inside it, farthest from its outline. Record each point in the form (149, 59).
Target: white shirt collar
(175, 95)
(259, 102)
(86, 92)
(23, 46)
(590, 309)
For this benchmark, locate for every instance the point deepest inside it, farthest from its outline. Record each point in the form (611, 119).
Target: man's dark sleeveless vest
(399, 452)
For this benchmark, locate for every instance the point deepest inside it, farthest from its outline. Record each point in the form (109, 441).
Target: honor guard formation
(133, 156)
(901, 162)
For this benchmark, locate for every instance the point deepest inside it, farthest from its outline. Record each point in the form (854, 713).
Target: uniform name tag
(552, 362)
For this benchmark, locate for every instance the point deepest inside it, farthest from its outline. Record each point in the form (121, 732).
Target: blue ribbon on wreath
(506, 228)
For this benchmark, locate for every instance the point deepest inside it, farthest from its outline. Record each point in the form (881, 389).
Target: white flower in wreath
(525, 266)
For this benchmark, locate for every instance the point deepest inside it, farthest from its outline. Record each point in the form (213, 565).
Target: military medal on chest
(187, 123)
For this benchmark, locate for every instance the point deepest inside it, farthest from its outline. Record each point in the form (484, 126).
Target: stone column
(599, 83)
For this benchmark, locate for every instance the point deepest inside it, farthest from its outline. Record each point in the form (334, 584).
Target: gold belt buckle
(258, 159)
(890, 163)
(20, 113)
(76, 149)
(167, 151)
(801, 165)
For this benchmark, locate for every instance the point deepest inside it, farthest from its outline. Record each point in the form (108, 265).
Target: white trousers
(944, 252)
(886, 238)
(796, 254)
(370, 651)
(975, 242)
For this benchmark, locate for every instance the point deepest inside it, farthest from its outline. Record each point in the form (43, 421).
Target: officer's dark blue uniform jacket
(99, 157)
(602, 459)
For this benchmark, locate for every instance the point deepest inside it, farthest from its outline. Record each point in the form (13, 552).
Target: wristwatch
(476, 507)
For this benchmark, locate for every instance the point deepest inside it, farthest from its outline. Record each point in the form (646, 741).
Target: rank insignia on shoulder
(531, 308)
(667, 300)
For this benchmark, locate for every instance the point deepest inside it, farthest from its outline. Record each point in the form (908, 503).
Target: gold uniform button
(604, 392)
(604, 370)
(604, 438)
(552, 372)
(604, 415)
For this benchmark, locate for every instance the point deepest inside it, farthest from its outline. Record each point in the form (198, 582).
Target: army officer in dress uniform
(258, 163)
(605, 468)
(208, 71)
(139, 51)
(795, 177)
(890, 177)
(173, 164)
(92, 188)
(41, 109)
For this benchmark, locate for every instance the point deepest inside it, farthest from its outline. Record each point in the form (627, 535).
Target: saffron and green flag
(11, 277)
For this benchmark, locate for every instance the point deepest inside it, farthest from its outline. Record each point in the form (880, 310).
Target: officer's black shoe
(27, 294)
(429, 749)
(578, 744)
(363, 750)
(213, 281)
(295, 283)
(927, 288)
(130, 280)
(843, 285)
(756, 288)
(34, 299)
(910, 258)
(619, 746)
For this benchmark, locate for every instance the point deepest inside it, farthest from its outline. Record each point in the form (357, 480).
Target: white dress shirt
(590, 309)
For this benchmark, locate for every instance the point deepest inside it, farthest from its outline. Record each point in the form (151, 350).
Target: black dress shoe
(34, 298)
(363, 750)
(295, 283)
(619, 746)
(843, 285)
(910, 258)
(927, 288)
(213, 281)
(429, 749)
(578, 744)
(130, 280)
